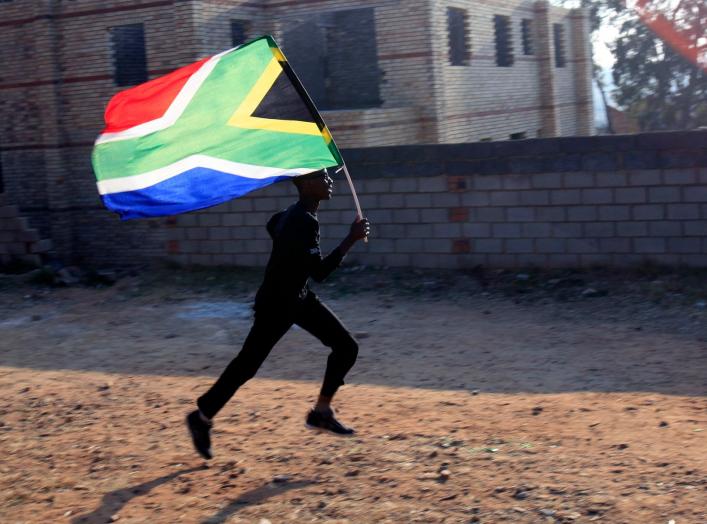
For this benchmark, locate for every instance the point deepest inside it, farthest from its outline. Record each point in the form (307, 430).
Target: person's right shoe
(326, 421)
(200, 433)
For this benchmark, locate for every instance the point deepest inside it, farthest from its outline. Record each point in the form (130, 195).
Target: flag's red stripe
(147, 101)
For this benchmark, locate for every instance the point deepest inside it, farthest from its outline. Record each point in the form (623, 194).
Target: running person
(284, 299)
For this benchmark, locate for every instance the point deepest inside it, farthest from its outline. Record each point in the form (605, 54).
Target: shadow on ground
(254, 496)
(114, 501)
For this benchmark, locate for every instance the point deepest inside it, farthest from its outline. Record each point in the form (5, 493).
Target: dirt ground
(478, 398)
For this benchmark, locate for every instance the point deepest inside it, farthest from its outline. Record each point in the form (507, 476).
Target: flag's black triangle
(283, 102)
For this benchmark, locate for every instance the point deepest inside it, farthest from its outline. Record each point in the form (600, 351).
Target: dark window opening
(457, 28)
(527, 32)
(129, 58)
(518, 136)
(239, 32)
(558, 33)
(335, 56)
(2, 178)
(504, 45)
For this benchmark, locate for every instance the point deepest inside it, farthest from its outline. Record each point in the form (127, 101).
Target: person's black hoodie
(295, 257)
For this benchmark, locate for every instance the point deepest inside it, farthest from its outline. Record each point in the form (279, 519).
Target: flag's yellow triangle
(243, 115)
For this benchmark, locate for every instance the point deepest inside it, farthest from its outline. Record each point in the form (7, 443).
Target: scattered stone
(104, 387)
(701, 304)
(537, 410)
(621, 446)
(280, 479)
(520, 495)
(444, 475)
(523, 277)
(351, 473)
(114, 518)
(362, 334)
(264, 521)
(68, 276)
(590, 292)
(475, 391)
(547, 512)
(105, 276)
(663, 424)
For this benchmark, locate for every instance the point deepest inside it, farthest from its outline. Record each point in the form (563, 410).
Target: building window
(558, 33)
(129, 59)
(504, 44)
(518, 136)
(457, 29)
(335, 55)
(239, 32)
(527, 32)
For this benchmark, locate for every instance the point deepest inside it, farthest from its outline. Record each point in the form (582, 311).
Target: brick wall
(57, 77)
(548, 202)
(18, 241)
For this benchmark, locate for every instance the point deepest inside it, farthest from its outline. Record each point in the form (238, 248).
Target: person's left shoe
(200, 434)
(326, 421)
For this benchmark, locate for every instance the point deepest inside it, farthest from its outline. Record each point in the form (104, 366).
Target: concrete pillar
(582, 62)
(546, 71)
(47, 64)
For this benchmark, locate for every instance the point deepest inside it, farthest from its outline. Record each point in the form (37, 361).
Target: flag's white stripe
(150, 178)
(175, 109)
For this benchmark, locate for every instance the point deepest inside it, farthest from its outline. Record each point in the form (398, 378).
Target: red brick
(456, 184)
(461, 245)
(458, 214)
(173, 247)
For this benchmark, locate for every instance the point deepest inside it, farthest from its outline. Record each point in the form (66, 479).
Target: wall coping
(664, 150)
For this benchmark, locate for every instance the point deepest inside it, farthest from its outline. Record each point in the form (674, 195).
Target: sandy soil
(513, 399)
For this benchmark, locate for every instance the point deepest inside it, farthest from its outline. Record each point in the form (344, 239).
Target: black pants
(270, 325)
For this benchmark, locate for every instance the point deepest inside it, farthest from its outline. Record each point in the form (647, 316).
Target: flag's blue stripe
(194, 189)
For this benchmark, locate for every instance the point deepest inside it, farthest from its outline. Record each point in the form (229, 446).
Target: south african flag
(209, 132)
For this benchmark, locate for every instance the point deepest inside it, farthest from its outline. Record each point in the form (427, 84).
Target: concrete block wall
(565, 202)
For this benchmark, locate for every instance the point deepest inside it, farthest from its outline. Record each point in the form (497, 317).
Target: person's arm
(359, 230)
(320, 268)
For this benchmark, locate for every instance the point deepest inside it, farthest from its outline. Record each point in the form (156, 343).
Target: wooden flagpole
(355, 197)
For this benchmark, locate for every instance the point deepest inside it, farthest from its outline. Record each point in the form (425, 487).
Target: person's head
(316, 186)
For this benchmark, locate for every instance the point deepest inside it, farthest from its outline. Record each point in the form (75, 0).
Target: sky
(605, 59)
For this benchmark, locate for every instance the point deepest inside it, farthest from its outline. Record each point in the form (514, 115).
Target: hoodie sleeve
(318, 267)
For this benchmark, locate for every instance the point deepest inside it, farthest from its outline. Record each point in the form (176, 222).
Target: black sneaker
(326, 421)
(199, 431)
